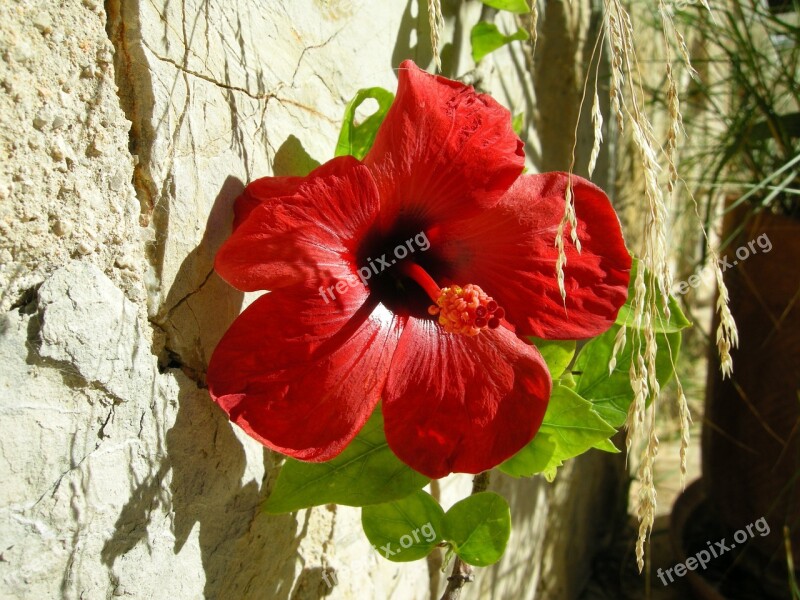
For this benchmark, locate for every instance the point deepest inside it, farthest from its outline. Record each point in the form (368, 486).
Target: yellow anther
(466, 310)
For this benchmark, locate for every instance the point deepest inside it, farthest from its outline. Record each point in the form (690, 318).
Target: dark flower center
(403, 268)
(381, 257)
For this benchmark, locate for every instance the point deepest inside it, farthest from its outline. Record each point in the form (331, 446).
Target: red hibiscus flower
(460, 252)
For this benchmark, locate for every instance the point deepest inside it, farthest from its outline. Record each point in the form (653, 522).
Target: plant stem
(462, 572)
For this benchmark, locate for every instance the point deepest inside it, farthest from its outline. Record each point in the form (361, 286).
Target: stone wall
(127, 130)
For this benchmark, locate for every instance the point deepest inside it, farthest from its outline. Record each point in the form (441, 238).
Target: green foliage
(611, 393)
(515, 6)
(752, 102)
(357, 139)
(570, 427)
(406, 529)
(556, 353)
(663, 324)
(591, 403)
(518, 123)
(366, 472)
(486, 37)
(607, 446)
(479, 527)
(476, 528)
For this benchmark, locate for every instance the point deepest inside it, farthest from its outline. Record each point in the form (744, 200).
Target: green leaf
(570, 427)
(567, 380)
(607, 446)
(556, 353)
(518, 122)
(404, 530)
(611, 394)
(676, 321)
(486, 37)
(478, 527)
(366, 472)
(357, 139)
(515, 6)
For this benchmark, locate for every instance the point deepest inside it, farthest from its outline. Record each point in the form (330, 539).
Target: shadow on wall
(528, 523)
(245, 553)
(200, 305)
(414, 37)
(563, 55)
(291, 159)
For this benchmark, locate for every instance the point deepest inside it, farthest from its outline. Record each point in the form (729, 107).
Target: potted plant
(749, 159)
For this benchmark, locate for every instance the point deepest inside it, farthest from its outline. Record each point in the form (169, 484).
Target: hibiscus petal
(510, 252)
(443, 149)
(302, 375)
(262, 191)
(462, 404)
(308, 236)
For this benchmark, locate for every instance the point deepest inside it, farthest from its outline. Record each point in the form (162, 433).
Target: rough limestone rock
(127, 129)
(89, 324)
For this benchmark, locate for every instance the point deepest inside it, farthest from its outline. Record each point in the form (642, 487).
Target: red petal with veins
(462, 404)
(300, 375)
(261, 191)
(510, 252)
(309, 236)
(271, 189)
(443, 150)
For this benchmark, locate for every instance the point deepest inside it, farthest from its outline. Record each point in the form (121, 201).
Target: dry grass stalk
(686, 422)
(597, 125)
(653, 279)
(597, 115)
(436, 21)
(647, 493)
(570, 219)
(727, 334)
(619, 343)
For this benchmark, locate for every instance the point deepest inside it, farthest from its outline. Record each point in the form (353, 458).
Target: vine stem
(462, 572)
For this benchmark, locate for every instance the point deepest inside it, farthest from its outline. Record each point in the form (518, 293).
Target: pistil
(466, 310)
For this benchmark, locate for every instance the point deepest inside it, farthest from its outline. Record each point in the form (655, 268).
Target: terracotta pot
(686, 506)
(751, 431)
(733, 574)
